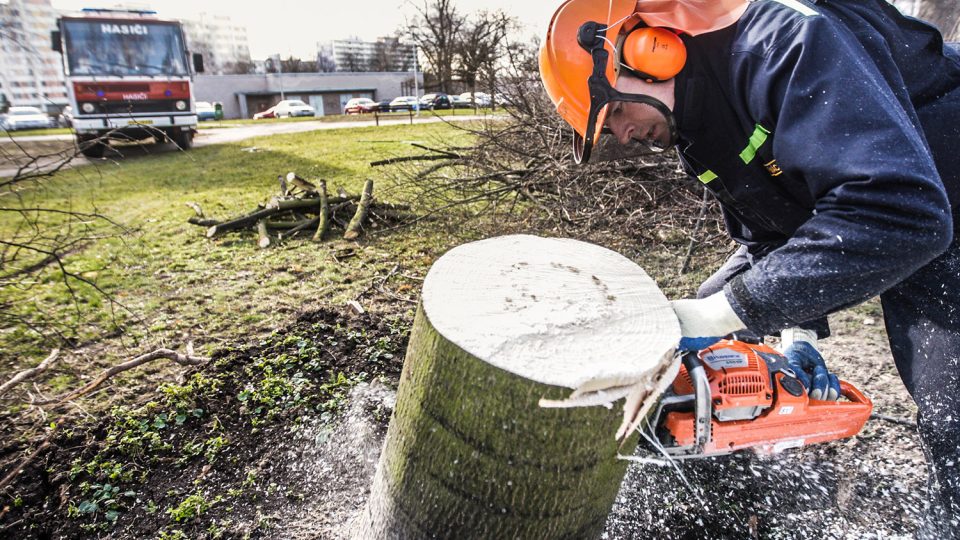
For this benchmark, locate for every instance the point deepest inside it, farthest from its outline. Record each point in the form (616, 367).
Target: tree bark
(469, 453)
(353, 228)
(263, 238)
(324, 213)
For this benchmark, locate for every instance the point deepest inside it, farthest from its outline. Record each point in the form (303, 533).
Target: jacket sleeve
(881, 211)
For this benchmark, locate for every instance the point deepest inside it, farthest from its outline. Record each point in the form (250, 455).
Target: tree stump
(502, 324)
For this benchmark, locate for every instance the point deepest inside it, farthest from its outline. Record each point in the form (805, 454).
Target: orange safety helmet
(577, 71)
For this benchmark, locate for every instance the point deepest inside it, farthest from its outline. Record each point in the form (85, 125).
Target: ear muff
(656, 54)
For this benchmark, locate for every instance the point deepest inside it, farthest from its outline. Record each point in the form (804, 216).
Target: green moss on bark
(470, 454)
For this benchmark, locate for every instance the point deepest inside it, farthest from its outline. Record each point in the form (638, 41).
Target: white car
(405, 103)
(24, 118)
(482, 99)
(290, 108)
(206, 111)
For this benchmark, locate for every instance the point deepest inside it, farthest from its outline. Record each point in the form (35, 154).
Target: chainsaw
(737, 395)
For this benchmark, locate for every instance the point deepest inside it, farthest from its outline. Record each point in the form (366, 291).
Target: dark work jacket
(821, 127)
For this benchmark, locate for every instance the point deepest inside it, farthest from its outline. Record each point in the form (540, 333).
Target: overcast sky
(295, 26)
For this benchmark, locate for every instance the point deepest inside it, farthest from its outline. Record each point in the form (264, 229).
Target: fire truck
(129, 77)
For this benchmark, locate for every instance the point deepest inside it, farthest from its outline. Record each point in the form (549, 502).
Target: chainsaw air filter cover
(739, 379)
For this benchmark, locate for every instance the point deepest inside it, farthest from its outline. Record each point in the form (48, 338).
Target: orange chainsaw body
(763, 409)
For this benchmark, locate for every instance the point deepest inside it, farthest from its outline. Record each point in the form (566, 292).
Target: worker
(829, 132)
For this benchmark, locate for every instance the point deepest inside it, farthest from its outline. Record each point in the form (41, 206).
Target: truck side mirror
(197, 63)
(55, 41)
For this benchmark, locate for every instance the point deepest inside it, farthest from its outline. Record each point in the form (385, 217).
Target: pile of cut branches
(303, 206)
(521, 167)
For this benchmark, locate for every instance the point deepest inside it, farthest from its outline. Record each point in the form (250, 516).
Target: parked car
(404, 103)
(458, 102)
(205, 111)
(482, 99)
(382, 106)
(290, 108)
(435, 101)
(359, 106)
(24, 118)
(269, 113)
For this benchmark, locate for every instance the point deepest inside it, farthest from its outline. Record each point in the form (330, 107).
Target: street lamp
(416, 84)
(280, 76)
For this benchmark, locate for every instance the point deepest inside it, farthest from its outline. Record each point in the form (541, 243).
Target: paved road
(44, 144)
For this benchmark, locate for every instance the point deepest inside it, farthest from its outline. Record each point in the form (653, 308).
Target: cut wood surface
(553, 310)
(504, 323)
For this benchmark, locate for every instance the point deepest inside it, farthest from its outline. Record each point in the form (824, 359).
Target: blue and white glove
(705, 321)
(800, 348)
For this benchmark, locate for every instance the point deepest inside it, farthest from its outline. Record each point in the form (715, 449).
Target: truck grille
(135, 107)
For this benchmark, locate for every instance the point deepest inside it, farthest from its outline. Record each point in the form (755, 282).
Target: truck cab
(129, 77)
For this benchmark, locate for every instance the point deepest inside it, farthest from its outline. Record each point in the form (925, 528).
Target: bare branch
(31, 372)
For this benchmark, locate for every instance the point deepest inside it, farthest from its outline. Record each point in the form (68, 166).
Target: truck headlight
(87, 107)
(181, 105)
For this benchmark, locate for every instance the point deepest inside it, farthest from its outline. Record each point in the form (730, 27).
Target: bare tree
(436, 31)
(944, 14)
(293, 64)
(325, 63)
(480, 47)
(353, 61)
(240, 67)
(389, 54)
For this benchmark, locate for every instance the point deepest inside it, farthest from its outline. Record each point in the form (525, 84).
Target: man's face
(638, 121)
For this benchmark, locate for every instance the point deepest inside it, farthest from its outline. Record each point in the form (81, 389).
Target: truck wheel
(183, 139)
(91, 146)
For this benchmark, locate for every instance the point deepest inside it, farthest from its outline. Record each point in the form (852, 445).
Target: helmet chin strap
(602, 94)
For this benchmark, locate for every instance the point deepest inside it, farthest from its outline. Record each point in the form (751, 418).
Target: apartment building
(222, 43)
(354, 54)
(31, 73)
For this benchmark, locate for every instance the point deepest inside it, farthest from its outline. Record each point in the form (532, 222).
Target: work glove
(705, 321)
(800, 347)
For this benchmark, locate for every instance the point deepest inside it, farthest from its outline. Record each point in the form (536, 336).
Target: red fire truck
(128, 77)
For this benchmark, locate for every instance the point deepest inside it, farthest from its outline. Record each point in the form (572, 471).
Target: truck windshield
(124, 48)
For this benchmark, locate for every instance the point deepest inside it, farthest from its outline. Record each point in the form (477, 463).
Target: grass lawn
(182, 286)
(342, 118)
(32, 132)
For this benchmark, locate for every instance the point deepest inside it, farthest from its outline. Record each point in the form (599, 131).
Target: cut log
(285, 224)
(313, 202)
(263, 238)
(196, 209)
(504, 323)
(241, 222)
(305, 224)
(324, 213)
(353, 229)
(203, 222)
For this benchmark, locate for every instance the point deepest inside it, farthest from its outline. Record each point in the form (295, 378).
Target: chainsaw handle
(850, 392)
